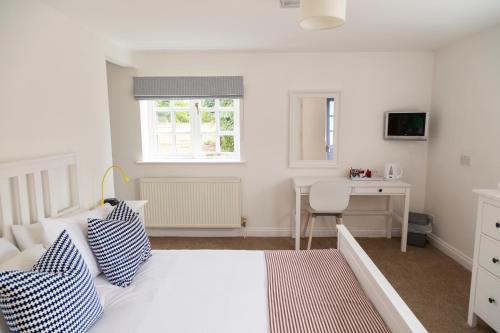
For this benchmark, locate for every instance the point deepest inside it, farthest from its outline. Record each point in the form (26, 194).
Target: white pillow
(29, 235)
(76, 226)
(25, 260)
(7, 250)
(98, 212)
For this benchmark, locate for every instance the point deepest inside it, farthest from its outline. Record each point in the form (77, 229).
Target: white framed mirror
(314, 124)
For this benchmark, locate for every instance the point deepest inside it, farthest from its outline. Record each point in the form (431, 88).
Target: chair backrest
(330, 196)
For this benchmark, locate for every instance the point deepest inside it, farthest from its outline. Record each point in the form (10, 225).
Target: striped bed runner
(317, 292)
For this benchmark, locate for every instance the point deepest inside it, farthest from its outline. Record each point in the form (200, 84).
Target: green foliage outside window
(182, 117)
(208, 103)
(208, 142)
(163, 104)
(163, 117)
(226, 121)
(181, 103)
(227, 143)
(226, 103)
(207, 117)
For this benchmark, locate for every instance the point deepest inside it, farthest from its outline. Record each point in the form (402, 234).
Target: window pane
(227, 143)
(181, 103)
(163, 103)
(208, 143)
(183, 143)
(182, 122)
(227, 121)
(331, 123)
(164, 143)
(208, 122)
(208, 103)
(163, 120)
(331, 138)
(226, 103)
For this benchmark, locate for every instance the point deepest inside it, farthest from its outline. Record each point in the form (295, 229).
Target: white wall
(465, 119)
(370, 83)
(53, 93)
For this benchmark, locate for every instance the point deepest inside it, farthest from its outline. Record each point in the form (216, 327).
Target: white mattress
(189, 291)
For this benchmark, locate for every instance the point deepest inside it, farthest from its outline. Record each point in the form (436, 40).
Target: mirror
(314, 129)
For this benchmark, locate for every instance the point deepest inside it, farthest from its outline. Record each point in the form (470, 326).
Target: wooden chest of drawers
(485, 286)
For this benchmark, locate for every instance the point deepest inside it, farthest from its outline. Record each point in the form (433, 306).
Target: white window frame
(150, 130)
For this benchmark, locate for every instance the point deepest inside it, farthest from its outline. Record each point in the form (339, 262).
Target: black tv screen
(406, 125)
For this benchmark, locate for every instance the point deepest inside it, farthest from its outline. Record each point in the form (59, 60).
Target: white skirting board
(451, 251)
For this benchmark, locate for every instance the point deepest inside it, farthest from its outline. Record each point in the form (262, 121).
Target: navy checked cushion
(122, 212)
(58, 295)
(118, 247)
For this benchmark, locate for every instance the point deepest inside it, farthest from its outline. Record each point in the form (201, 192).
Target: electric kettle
(392, 171)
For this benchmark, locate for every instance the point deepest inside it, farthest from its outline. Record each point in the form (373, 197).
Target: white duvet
(189, 291)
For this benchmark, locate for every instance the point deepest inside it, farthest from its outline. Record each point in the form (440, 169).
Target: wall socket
(465, 160)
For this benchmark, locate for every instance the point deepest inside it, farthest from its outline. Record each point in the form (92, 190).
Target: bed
(186, 290)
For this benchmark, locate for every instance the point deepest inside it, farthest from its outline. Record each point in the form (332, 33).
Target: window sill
(190, 161)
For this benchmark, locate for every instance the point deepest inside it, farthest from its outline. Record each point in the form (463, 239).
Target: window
(191, 129)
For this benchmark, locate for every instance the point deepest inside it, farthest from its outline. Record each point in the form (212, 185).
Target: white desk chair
(327, 198)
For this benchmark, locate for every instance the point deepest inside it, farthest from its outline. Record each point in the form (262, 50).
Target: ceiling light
(322, 14)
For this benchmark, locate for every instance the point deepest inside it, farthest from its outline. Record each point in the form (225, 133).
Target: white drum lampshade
(322, 14)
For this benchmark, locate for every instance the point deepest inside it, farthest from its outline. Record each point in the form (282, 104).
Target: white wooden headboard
(31, 190)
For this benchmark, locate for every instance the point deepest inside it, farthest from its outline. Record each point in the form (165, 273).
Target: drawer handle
(491, 300)
(380, 190)
(495, 260)
(497, 224)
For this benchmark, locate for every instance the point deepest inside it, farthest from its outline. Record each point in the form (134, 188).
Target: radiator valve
(243, 222)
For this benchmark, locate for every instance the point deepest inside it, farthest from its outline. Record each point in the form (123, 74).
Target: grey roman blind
(177, 87)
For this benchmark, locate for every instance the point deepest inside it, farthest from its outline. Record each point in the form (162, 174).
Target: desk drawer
(491, 221)
(488, 298)
(489, 255)
(378, 190)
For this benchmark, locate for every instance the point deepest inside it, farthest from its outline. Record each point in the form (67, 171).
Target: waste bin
(419, 225)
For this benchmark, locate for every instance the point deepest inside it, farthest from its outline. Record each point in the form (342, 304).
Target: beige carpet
(434, 286)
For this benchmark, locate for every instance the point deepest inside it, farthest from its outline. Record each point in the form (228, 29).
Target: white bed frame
(28, 192)
(391, 307)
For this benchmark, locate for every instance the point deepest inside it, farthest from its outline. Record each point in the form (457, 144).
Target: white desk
(302, 186)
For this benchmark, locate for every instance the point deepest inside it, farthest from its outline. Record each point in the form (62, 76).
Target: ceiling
(372, 25)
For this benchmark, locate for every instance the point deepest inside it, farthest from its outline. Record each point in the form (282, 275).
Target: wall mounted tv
(406, 125)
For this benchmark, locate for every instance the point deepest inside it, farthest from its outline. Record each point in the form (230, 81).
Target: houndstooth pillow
(122, 212)
(119, 248)
(58, 295)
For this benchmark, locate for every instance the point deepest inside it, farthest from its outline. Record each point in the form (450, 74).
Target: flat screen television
(406, 125)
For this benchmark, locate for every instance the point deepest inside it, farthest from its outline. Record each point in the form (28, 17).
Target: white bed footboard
(396, 314)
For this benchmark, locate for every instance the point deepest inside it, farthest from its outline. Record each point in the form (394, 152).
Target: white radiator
(192, 202)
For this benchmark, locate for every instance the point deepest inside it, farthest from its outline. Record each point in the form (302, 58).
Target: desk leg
(297, 218)
(388, 222)
(406, 213)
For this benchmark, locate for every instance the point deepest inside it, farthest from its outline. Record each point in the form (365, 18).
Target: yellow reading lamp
(122, 172)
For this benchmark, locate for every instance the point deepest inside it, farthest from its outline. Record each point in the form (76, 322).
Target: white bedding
(189, 291)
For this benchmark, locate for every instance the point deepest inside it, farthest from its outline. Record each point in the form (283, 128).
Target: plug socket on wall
(465, 160)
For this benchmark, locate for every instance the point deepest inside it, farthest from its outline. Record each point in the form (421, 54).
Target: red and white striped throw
(317, 292)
